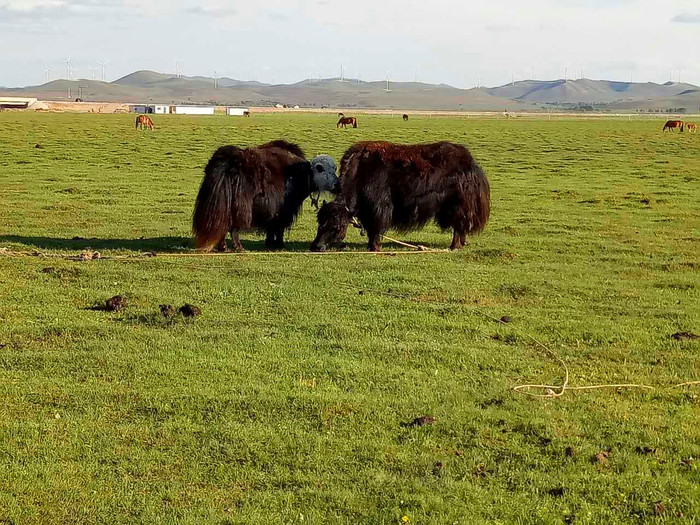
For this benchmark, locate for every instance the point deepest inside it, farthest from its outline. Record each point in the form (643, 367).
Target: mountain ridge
(148, 86)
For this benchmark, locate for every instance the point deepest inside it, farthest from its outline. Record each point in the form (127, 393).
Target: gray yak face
(325, 175)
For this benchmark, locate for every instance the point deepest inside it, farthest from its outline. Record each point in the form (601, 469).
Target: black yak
(388, 185)
(259, 188)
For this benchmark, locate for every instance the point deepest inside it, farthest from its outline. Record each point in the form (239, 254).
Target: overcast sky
(453, 41)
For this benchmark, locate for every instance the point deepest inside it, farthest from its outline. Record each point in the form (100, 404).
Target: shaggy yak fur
(403, 187)
(259, 188)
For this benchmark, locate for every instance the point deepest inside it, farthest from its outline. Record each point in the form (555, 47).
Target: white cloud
(216, 12)
(448, 41)
(687, 18)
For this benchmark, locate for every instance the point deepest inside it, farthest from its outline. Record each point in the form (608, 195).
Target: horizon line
(312, 80)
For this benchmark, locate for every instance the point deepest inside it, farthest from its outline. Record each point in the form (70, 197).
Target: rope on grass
(550, 391)
(417, 247)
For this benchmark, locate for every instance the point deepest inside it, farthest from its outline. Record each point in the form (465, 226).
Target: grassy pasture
(283, 402)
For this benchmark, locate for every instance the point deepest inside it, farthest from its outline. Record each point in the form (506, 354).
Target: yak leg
(275, 238)
(237, 246)
(374, 241)
(455, 241)
(458, 240)
(222, 247)
(274, 241)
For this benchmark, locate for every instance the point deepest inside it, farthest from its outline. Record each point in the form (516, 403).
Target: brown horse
(405, 117)
(260, 189)
(673, 124)
(387, 185)
(144, 121)
(692, 128)
(347, 121)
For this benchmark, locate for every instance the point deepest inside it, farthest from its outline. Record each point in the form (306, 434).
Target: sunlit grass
(285, 398)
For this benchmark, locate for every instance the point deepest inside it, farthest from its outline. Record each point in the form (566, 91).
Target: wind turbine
(103, 65)
(47, 72)
(93, 69)
(69, 68)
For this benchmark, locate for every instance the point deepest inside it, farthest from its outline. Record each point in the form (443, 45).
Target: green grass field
(284, 401)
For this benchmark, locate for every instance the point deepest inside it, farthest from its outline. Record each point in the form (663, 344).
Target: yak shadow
(152, 244)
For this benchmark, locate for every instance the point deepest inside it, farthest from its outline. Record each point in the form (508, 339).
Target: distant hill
(688, 99)
(150, 86)
(586, 90)
(629, 95)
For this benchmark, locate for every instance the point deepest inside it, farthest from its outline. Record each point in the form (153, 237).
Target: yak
(387, 186)
(260, 188)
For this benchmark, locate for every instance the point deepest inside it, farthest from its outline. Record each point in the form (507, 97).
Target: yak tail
(354, 123)
(137, 122)
(478, 198)
(214, 214)
(682, 124)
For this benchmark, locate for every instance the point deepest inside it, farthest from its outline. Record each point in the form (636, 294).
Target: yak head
(333, 219)
(325, 177)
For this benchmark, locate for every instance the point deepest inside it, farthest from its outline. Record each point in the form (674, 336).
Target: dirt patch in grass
(419, 422)
(113, 304)
(685, 336)
(189, 310)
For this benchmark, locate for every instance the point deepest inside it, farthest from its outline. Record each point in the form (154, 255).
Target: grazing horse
(692, 128)
(347, 121)
(405, 117)
(144, 121)
(387, 185)
(259, 188)
(673, 124)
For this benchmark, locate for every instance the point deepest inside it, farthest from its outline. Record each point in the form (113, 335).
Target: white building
(140, 108)
(192, 110)
(150, 108)
(237, 112)
(16, 102)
